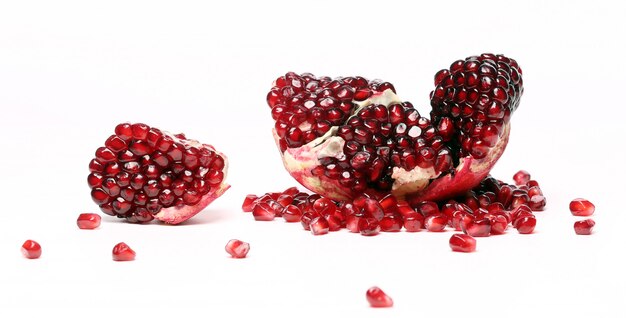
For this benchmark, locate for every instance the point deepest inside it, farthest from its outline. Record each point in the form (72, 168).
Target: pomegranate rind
(175, 215)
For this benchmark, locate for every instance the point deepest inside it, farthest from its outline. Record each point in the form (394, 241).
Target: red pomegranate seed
(581, 207)
(584, 227)
(462, 243)
(306, 219)
(499, 223)
(525, 224)
(477, 228)
(249, 202)
(414, 222)
(368, 226)
(377, 298)
(319, 226)
(88, 221)
(31, 249)
(292, 213)
(537, 203)
(521, 177)
(237, 248)
(391, 223)
(122, 252)
(436, 222)
(263, 212)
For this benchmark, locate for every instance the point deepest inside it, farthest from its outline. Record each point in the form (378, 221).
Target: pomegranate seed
(88, 221)
(122, 252)
(263, 212)
(436, 223)
(237, 248)
(581, 207)
(319, 226)
(31, 249)
(521, 177)
(249, 202)
(413, 222)
(462, 243)
(306, 219)
(292, 213)
(377, 298)
(499, 223)
(525, 224)
(391, 223)
(584, 227)
(477, 228)
(368, 226)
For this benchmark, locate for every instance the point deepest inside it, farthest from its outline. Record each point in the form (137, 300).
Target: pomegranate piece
(413, 222)
(584, 227)
(237, 248)
(436, 222)
(292, 213)
(462, 243)
(31, 249)
(377, 298)
(263, 212)
(581, 207)
(368, 226)
(142, 173)
(345, 136)
(521, 177)
(477, 227)
(88, 221)
(122, 252)
(525, 224)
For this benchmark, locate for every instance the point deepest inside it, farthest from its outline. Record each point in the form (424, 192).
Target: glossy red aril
(319, 226)
(581, 207)
(477, 227)
(584, 227)
(88, 221)
(377, 298)
(249, 202)
(436, 222)
(237, 248)
(262, 211)
(462, 243)
(142, 173)
(525, 224)
(123, 252)
(346, 136)
(31, 249)
(521, 177)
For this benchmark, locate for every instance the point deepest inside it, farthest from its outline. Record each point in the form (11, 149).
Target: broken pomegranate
(584, 227)
(31, 249)
(237, 248)
(88, 221)
(462, 243)
(581, 207)
(377, 298)
(347, 136)
(142, 173)
(122, 252)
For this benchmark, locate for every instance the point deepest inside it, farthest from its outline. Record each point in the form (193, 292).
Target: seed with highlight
(581, 207)
(237, 248)
(88, 221)
(377, 298)
(462, 243)
(31, 249)
(122, 252)
(584, 227)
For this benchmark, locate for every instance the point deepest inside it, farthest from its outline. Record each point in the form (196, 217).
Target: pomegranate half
(142, 173)
(346, 136)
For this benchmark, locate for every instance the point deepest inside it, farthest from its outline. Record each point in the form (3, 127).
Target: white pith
(308, 156)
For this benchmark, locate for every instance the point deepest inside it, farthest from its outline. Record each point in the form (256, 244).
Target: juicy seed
(319, 226)
(436, 223)
(88, 221)
(462, 243)
(377, 298)
(581, 207)
(237, 248)
(249, 203)
(525, 225)
(122, 252)
(521, 177)
(584, 227)
(263, 212)
(31, 249)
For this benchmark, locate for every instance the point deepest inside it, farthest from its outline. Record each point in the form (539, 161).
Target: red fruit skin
(31, 249)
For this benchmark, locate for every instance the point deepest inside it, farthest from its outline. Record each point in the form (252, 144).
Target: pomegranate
(377, 298)
(347, 136)
(31, 249)
(142, 173)
(462, 243)
(123, 252)
(581, 207)
(584, 227)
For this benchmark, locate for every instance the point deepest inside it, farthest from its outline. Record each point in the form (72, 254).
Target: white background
(70, 71)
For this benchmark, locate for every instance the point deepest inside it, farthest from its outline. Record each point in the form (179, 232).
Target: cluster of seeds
(487, 210)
